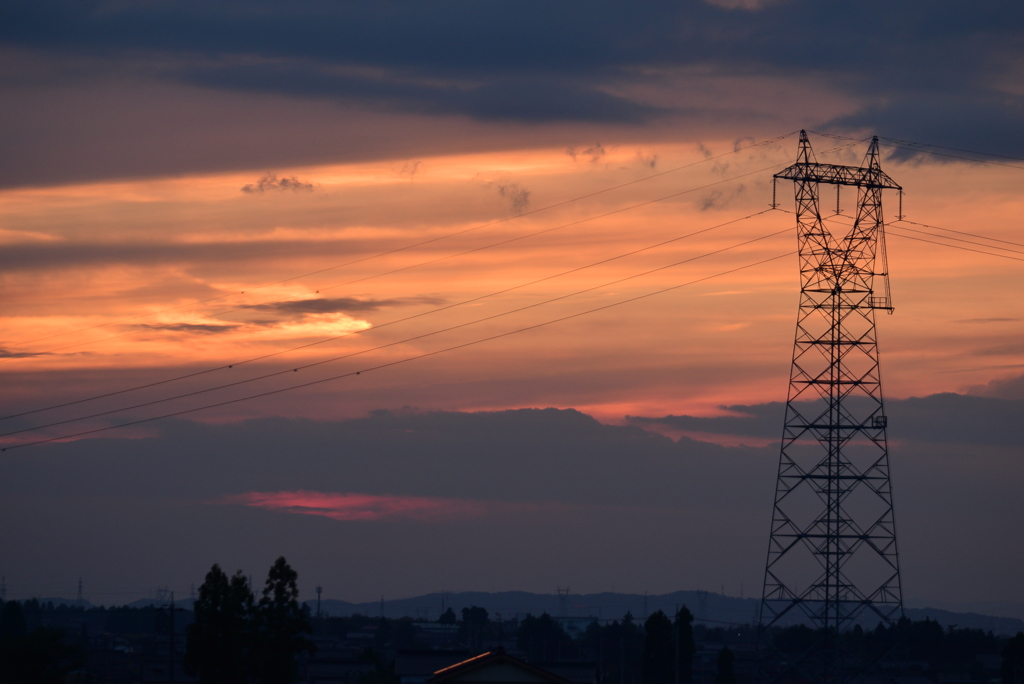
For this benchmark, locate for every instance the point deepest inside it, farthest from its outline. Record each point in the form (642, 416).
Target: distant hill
(185, 603)
(708, 608)
(59, 601)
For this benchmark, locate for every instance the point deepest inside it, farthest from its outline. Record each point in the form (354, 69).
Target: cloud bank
(223, 77)
(519, 497)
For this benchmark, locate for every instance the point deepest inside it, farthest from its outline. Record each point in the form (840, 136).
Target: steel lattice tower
(832, 557)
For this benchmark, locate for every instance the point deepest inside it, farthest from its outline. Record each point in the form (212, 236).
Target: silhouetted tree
(726, 667)
(12, 621)
(656, 667)
(218, 645)
(382, 635)
(447, 617)
(383, 671)
(280, 624)
(685, 646)
(617, 648)
(474, 622)
(1013, 660)
(404, 633)
(40, 656)
(543, 639)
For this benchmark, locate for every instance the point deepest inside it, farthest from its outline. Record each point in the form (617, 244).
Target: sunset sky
(308, 190)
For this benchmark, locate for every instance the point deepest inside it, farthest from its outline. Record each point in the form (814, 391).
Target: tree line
(237, 639)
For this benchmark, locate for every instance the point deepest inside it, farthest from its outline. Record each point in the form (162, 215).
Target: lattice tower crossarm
(832, 557)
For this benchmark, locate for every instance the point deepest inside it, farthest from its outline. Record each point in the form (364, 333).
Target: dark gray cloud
(963, 115)
(532, 99)
(29, 256)
(201, 328)
(341, 305)
(946, 418)
(11, 354)
(517, 196)
(271, 182)
(716, 199)
(934, 71)
(145, 511)
(1011, 389)
(648, 160)
(592, 153)
(508, 455)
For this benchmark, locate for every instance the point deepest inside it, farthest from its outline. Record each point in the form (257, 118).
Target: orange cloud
(367, 507)
(109, 285)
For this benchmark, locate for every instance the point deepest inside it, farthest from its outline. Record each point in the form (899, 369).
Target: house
(417, 666)
(495, 667)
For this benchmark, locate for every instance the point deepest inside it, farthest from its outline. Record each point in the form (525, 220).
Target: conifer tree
(1013, 660)
(726, 667)
(219, 644)
(656, 666)
(280, 624)
(685, 646)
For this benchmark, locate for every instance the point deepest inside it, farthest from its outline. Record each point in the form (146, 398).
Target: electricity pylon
(832, 559)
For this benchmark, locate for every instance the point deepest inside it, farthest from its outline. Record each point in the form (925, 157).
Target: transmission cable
(955, 149)
(904, 145)
(954, 156)
(417, 244)
(228, 366)
(945, 244)
(948, 237)
(422, 263)
(438, 259)
(384, 325)
(398, 342)
(889, 231)
(400, 361)
(960, 232)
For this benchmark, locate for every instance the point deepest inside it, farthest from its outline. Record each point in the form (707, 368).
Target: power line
(970, 242)
(955, 149)
(417, 244)
(903, 144)
(382, 325)
(399, 361)
(889, 231)
(355, 332)
(944, 244)
(960, 232)
(954, 156)
(432, 261)
(228, 366)
(389, 344)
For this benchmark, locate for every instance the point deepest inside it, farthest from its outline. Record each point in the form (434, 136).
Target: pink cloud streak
(364, 507)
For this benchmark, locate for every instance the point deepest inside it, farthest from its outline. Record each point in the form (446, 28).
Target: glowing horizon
(280, 230)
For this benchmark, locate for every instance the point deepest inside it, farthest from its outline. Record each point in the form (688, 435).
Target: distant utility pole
(319, 590)
(675, 644)
(81, 603)
(170, 650)
(563, 600)
(832, 550)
